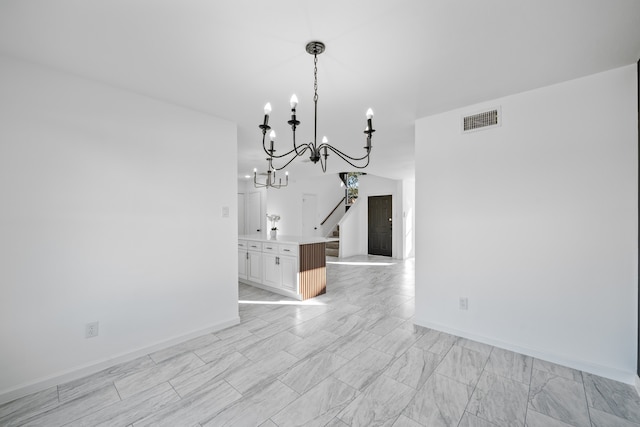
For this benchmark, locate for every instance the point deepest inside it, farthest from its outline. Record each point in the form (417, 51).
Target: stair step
(333, 247)
(332, 252)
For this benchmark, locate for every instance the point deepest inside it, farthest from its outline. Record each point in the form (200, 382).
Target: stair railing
(334, 209)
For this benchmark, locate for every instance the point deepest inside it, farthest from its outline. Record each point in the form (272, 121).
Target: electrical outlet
(464, 303)
(91, 330)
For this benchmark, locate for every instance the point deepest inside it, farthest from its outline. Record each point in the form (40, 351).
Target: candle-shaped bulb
(293, 101)
(287, 173)
(369, 113)
(324, 140)
(272, 135)
(255, 170)
(267, 111)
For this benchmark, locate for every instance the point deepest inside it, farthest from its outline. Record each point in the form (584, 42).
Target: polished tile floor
(351, 357)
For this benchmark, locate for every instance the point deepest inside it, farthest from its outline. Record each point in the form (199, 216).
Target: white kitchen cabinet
(243, 257)
(271, 276)
(294, 266)
(289, 273)
(280, 271)
(254, 270)
(249, 260)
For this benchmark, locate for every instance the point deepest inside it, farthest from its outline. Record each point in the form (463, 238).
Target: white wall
(536, 223)
(287, 202)
(111, 212)
(352, 240)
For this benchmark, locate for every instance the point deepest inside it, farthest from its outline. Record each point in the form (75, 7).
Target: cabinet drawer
(254, 246)
(270, 247)
(289, 250)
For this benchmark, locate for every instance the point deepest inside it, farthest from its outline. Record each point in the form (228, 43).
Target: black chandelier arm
(280, 156)
(264, 136)
(271, 155)
(295, 147)
(306, 147)
(353, 164)
(345, 156)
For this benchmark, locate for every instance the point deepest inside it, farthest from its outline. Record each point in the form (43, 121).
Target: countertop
(300, 240)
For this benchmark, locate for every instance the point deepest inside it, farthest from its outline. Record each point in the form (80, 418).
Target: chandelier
(316, 152)
(271, 180)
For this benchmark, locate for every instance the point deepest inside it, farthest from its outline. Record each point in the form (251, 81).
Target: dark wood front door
(380, 225)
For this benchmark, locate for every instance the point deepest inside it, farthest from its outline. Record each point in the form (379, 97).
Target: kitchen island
(293, 266)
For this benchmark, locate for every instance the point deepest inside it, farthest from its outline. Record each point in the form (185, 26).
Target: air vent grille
(483, 120)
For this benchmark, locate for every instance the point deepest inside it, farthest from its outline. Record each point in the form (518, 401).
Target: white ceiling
(405, 58)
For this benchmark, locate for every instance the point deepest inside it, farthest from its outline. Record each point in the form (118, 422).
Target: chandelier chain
(315, 78)
(314, 149)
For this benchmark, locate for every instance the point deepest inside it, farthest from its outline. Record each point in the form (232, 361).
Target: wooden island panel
(313, 270)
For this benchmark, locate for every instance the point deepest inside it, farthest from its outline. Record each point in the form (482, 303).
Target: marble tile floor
(351, 357)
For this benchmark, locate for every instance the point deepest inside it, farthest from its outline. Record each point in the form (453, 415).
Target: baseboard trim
(582, 365)
(278, 291)
(96, 366)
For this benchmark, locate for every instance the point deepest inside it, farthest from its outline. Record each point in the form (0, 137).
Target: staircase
(333, 247)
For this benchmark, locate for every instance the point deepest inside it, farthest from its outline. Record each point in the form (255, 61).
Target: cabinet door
(242, 263)
(271, 270)
(254, 272)
(289, 271)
